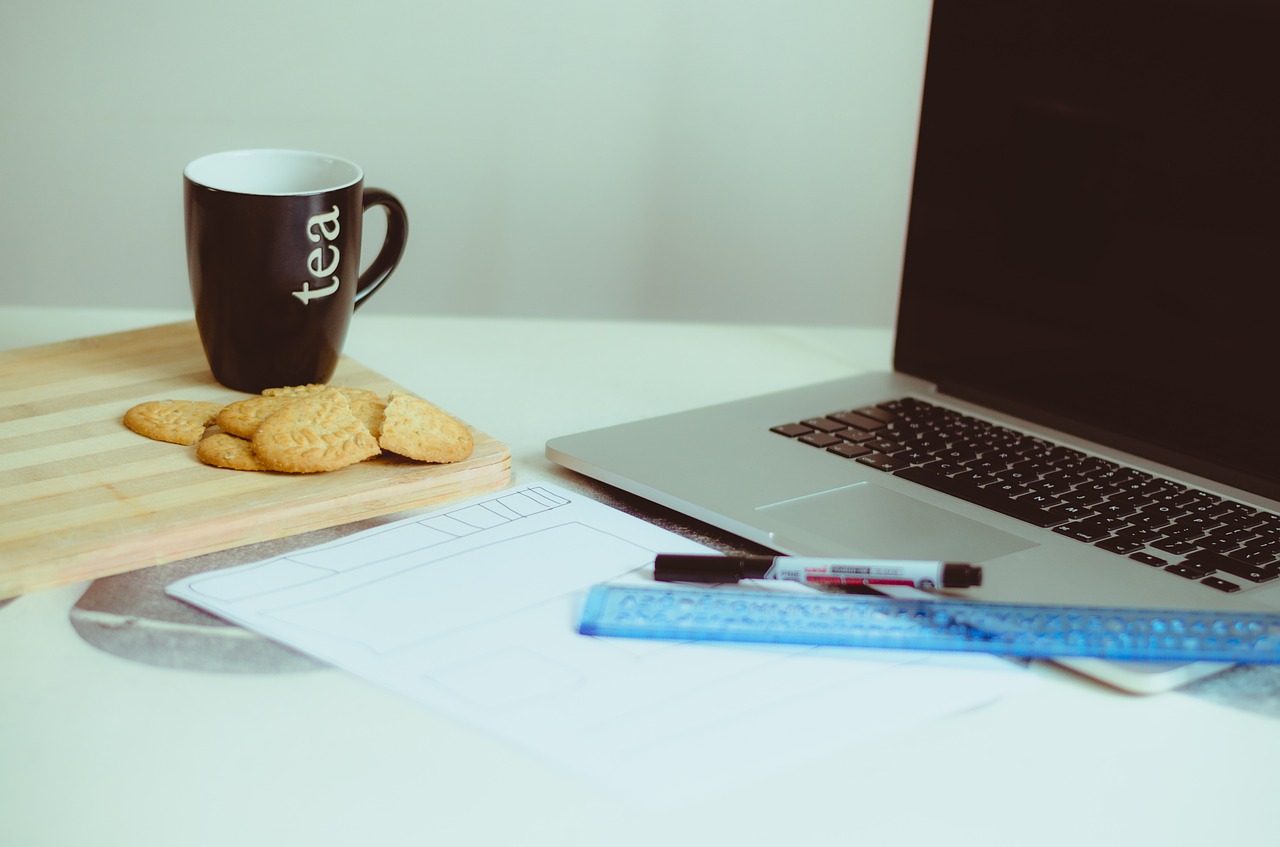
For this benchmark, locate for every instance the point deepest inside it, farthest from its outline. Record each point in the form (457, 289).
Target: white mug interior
(278, 173)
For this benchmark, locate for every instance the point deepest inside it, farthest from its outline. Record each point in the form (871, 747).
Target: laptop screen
(1094, 239)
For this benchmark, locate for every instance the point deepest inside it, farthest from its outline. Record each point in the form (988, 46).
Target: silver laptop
(1086, 356)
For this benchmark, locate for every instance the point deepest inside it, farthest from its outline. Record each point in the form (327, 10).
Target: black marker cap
(668, 567)
(961, 576)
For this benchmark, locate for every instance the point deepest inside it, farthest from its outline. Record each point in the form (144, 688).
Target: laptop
(1084, 391)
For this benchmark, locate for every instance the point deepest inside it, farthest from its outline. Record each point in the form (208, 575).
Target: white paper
(473, 611)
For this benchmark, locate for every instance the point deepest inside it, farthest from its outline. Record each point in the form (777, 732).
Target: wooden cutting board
(81, 496)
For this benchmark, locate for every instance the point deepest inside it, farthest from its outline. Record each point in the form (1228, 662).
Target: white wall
(701, 159)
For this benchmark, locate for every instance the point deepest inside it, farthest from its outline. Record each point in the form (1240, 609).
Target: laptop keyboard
(1193, 534)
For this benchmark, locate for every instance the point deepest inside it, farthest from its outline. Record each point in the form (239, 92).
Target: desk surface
(117, 749)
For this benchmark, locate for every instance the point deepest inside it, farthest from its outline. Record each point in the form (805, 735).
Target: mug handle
(392, 245)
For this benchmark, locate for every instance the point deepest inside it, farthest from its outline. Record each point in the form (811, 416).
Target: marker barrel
(816, 571)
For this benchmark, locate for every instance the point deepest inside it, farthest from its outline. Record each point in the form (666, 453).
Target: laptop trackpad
(868, 520)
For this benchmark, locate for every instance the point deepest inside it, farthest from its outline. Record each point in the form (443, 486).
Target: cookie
(418, 430)
(294, 390)
(243, 417)
(366, 405)
(224, 450)
(315, 432)
(175, 421)
(316, 388)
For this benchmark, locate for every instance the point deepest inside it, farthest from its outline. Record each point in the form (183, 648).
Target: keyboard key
(1002, 456)
(881, 462)
(1164, 510)
(1188, 571)
(1220, 584)
(1078, 468)
(1041, 500)
(1080, 498)
(849, 451)
(975, 477)
(1130, 498)
(1176, 546)
(987, 466)
(1269, 529)
(792, 430)
(961, 455)
(1144, 520)
(930, 444)
(1112, 524)
(1257, 558)
(944, 468)
(824, 424)
(1049, 486)
(1183, 533)
(1219, 544)
(820, 439)
(915, 457)
(1205, 504)
(1146, 536)
(1073, 511)
(1119, 544)
(1232, 538)
(1230, 510)
(1082, 531)
(884, 445)
(1019, 475)
(1148, 559)
(898, 407)
(1118, 510)
(1116, 477)
(1200, 522)
(1007, 490)
(876, 412)
(858, 421)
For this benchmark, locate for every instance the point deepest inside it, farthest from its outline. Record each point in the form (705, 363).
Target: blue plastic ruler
(1028, 631)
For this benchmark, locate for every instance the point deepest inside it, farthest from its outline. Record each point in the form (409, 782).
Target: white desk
(100, 749)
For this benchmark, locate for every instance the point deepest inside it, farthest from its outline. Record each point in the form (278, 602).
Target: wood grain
(81, 496)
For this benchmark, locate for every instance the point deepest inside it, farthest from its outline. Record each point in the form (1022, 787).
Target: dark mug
(273, 253)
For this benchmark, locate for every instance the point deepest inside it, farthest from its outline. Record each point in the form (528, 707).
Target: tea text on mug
(321, 226)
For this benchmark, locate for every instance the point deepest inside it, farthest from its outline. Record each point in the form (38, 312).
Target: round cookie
(366, 405)
(224, 450)
(315, 432)
(243, 417)
(175, 421)
(316, 388)
(414, 428)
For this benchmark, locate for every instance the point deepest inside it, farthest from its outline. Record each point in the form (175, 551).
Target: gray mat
(1252, 688)
(130, 616)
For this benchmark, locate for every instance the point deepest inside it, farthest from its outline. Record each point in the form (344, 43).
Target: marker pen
(816, 571)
